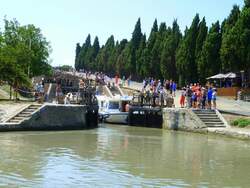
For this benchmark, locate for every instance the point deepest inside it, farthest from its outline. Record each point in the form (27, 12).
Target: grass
(6, 88)
(2, 97)
(241, 122)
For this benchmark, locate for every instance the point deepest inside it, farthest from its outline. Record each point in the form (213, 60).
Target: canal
(121, 156)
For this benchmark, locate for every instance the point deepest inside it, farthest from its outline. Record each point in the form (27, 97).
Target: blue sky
(66, 22)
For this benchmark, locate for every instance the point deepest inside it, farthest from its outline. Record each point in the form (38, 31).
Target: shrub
(242, 122)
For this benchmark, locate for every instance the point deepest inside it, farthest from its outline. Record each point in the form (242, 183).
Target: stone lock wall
(181, 119)
(58, 117)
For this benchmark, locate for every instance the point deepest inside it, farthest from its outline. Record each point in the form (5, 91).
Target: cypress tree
(136, 35)
(77, 60)
(202, 34)
(210, 63)
(186, 60)
(139, 57)
(228, 54)
(84, 49)
(168, 55)
(134, 45)
(155, 26)
(96, 47)
(153, 47)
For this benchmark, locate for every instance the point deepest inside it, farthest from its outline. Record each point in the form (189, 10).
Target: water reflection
(121, 156)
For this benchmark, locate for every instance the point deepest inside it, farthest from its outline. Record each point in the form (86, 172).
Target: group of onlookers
(156, 92)
(196, 96)
(191, 96)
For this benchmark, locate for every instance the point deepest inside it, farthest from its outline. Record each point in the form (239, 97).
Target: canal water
(121, 156)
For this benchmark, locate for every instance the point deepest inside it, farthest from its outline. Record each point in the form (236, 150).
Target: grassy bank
(6, 92)
(241, 122)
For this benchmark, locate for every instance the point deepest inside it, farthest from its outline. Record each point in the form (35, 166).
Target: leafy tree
(247, 3)
(24, 53)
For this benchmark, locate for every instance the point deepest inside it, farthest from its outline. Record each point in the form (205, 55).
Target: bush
(241, 122)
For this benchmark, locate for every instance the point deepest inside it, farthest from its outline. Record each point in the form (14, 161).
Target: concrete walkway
(233, 106)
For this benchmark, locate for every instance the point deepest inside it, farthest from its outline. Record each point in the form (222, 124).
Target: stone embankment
(54, 117)
(187, 120)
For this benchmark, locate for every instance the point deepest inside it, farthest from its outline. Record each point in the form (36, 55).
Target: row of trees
(24, 53)
(167, 53)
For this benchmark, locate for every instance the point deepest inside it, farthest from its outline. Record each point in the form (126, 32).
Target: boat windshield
(113, 105)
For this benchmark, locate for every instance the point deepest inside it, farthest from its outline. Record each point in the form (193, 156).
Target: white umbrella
(230, 75)
(217, 76)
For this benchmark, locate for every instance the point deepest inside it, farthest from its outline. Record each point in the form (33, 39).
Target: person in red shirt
(182, 99)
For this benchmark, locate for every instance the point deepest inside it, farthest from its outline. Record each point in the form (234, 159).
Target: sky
(66, 22)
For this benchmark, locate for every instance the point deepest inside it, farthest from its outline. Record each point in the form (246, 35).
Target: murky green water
(120, 156)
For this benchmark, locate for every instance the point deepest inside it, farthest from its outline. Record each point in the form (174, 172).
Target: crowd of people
(191, 96)
(158, 93)
(154, 91)
(196, 96)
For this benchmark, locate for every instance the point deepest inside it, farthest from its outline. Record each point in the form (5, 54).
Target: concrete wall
(57, 117)
(181, 119)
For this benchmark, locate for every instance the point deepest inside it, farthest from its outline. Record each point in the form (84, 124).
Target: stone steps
(24, 114)
(209, 118)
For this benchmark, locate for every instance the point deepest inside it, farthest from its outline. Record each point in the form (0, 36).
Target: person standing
(170, 87)
(189, 96)
(167, 85)
(182, 99)
(204, 98)
(129, 79)
(214, 96)
(174, 87)
(209, 97)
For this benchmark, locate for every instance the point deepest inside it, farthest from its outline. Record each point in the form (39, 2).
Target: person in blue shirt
(209, 97)
(174, 86)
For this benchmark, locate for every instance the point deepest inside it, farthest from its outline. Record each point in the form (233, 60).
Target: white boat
(113, 110)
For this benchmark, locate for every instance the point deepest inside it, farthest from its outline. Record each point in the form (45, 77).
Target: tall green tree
(186, 59)
(134, 45)
(228, 49)
(202, 34)
(83, 54)
(168, 55)
(153, 46)
(77, 58)
(210, 63)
